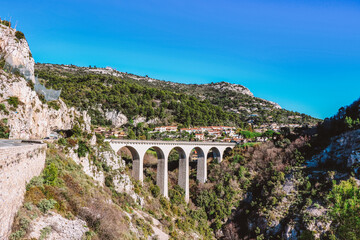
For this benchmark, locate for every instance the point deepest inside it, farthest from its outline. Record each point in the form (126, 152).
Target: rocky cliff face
(30, 118)
(117, 119)
(122, 181)
(16, 53)
(343, 151)
(224, 86)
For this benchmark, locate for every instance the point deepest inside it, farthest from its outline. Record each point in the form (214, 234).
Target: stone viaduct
(138, 149)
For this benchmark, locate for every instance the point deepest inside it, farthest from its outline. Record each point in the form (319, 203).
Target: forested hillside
(347, 118)
(160, 102)
(286, 189)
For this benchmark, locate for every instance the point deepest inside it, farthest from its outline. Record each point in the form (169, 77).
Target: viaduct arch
(138, 149)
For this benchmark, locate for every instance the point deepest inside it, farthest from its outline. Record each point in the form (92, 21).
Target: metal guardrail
(32, 141)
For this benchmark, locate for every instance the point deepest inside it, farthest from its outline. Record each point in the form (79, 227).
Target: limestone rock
(33, 119)
(88, 168)
(93, 140)
(122, 181)
(138, 120)
(16, 53)
(319, 222)
(344, 150)
(117, 119)
(224, 86)
(60, 227)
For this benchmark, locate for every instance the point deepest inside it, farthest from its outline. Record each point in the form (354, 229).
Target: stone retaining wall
(18, 164)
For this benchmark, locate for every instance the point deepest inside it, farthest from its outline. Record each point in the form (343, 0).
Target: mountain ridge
(235, 99)
(221, 86)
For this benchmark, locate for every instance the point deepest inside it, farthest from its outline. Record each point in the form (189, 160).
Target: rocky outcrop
(344, 151)
(117, 119)
(317, 220)
(58, 228)
(224, 86)
(33, 119)
(16, 53)
(122, 182)
(28, 117)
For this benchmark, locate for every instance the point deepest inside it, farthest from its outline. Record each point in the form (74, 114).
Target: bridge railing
(154, 142)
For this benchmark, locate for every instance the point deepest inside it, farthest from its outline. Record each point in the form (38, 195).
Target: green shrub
(19, 35)
(82, 149)
(77, 130)
(177, 195)
(62, 141)
(105, 167)
(50, 174)
(345, 209)
(36, 181)
(17, 235)
(109, 181)
(155, 190)
(4, 129)
(41, 98)
(6, 23)
(99, 138)
(2, 63)
(164, 203)
(30, 84)
(16, 72)
(307, 235)
(13, 101)
(54, 104)
(237, 158)
(269, 133)
(145, 227)
(44, 233)
(89, 235)
(45, 205)
(242, 172)
(248, 134)
(24, 225)
(28, 206)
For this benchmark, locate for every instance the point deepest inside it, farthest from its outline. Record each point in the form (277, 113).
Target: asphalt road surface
(11, 143)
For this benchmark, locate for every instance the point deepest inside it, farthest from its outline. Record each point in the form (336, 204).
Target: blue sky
(304, 55)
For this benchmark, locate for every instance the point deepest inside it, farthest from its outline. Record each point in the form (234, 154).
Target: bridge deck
(159, 142)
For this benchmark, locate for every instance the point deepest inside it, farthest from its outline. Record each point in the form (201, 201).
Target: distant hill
(109, 95)
(346, 119)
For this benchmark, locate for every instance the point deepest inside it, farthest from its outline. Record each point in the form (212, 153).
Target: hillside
(347, 118)
(85, 190)
(101, 91)
(295, 185)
